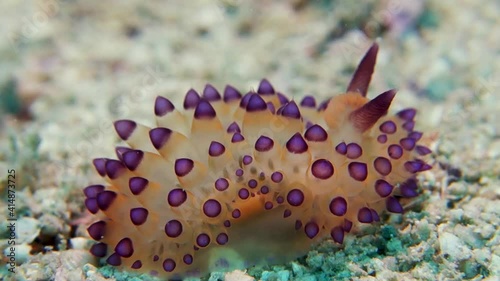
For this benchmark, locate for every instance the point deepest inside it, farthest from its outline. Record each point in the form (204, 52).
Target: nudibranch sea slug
(234, 180)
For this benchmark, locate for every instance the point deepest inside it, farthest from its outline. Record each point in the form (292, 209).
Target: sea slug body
(234, 180)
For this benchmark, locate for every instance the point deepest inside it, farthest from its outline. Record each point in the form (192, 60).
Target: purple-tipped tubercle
(407, 114)
(210, 93)
(256, 103)
(365, 215)
(125, 248)
(290, 110)
(296, 144)
(295, 197)
(353, 151)
(233, 128)
(322, 169)
(159, 137)
(204, 110)
(183, 166)
(316, 133)
(265, 88)
(125, 128)
(191, 99)
(216, 149)
(105, 199)
(163, 106)
(212, 208)
(132, 159)
(176, 197)
(358, 171)
(263, 144)
(338, 206)
(138, 215)
(137, 185)
(231, 94)
(311, 229)
(341, 148)
(308, 101)
(114, 168)
(173, 228)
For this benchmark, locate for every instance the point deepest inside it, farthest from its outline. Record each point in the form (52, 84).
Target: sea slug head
(353, 107)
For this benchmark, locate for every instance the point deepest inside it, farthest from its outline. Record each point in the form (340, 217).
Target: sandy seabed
(68, 69)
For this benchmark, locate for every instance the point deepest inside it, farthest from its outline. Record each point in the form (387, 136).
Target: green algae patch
(112, 272)
(10, 101)
(365, 255)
